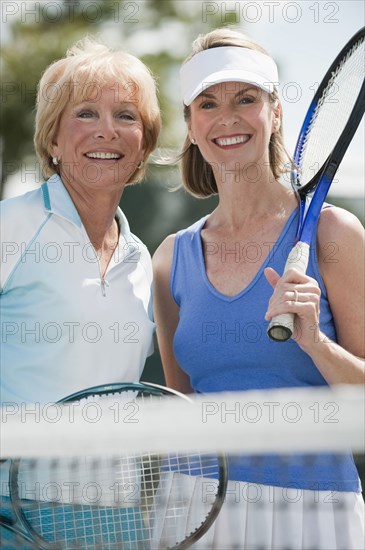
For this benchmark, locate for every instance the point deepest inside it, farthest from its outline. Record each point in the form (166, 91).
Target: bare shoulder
(341, 229)
(162, 258)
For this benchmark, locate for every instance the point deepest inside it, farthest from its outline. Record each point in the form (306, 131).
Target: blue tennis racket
(329, 126)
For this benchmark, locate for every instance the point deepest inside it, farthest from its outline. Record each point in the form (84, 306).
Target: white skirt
(262, 517)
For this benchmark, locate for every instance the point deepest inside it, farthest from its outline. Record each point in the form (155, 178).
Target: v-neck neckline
(260, 271)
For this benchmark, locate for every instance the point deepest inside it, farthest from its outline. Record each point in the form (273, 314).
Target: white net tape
(253, 421)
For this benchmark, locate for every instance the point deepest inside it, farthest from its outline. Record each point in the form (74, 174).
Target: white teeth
(232, 140)
(103, 155)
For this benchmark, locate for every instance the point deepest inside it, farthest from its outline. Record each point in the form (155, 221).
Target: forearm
(337, 365)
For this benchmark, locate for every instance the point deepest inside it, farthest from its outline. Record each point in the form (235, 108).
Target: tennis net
(138, 473)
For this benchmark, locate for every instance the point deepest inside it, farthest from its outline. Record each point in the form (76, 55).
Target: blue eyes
(90, 114)
(127, 116)
(207, 105)
(246, 100)
(84, 114)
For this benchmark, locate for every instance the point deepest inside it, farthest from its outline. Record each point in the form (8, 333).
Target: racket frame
(281, 327)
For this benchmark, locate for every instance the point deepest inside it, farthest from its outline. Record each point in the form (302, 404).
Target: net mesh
(332, 112)
(145, 474)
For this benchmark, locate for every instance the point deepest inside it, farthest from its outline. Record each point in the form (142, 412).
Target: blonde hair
(87, 67)
(197, 174)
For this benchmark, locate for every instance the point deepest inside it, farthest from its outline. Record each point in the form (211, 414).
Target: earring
(140, 164)
(193, 141)
(55, 161)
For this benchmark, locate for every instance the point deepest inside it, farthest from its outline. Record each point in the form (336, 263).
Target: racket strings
(175, 512)
(332, 112)
(85, 527)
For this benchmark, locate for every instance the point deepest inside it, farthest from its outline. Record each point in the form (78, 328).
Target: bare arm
(166, 313)
(341, 261)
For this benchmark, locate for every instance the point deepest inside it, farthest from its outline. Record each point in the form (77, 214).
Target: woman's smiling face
(232, 123)
(99, 142)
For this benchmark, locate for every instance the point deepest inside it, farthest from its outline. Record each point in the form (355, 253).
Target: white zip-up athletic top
(63, 326)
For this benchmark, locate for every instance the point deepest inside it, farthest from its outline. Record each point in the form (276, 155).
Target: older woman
(75, 282)
(217, 284)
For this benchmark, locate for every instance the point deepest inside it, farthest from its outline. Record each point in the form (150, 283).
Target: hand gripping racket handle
(281, 327)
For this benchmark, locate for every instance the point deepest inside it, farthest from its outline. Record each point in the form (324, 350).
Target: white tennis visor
(227, 64)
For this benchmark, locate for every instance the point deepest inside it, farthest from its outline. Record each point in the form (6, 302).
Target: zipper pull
(104, 284)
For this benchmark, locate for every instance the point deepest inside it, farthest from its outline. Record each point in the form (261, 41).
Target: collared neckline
(58, 201)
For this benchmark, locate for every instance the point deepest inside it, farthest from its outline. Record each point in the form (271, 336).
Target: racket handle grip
(281, 327)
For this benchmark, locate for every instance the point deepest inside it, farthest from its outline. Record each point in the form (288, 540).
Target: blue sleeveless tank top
(221, 343)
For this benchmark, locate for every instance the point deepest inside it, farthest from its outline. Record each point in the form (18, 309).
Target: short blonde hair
(197, 174)
(87, 67)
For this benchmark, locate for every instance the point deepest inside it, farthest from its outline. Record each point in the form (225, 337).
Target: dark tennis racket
(329, 126)
(131, 502)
